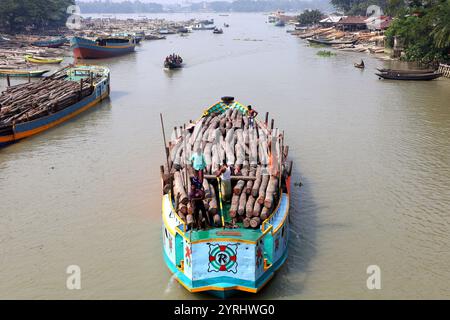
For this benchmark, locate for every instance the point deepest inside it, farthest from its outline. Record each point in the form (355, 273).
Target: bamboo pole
(8, 80)
(165, 144)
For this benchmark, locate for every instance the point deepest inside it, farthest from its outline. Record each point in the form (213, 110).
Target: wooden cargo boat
(102, 47)
(409, 76)
(22, 73)
(30, 108)
(247, 239)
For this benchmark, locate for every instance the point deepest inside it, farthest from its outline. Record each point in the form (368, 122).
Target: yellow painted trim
(215, 288)
(175, 211)
(274, 211)
(285, 215)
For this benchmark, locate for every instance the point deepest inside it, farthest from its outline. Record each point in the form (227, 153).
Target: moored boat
(30, 108)
(102, 47)
(53, 43)
(218, 31)
(409, 76)
(43, 60)
(330, 42)
(406, 71)
(246, 240)
(22, 73)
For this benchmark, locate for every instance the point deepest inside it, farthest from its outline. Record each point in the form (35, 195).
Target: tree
(425, 31)
(20, 15)
(309, 17)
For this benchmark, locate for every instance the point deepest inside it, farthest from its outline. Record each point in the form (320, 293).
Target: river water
(373, 157)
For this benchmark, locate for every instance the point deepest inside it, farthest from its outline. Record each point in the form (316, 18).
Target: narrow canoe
(42, 60)
(409, 76)
(22, 73)
(406, 71)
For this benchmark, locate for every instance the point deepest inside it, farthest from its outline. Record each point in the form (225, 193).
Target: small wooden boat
(54, 43)
(22, 73)
(406, 71)
(246, 240)
(359, 65)
(218, 31)
(330, 42)
(43, 60)
(50, 101)
(102, 47)
(173, 62)
(409, 76)
(154, 37)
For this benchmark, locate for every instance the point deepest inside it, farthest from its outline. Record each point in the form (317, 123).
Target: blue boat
(240, 249)
(21, 124)
(54, 43)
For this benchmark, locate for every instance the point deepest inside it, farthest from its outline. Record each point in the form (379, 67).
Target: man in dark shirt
(196, 197)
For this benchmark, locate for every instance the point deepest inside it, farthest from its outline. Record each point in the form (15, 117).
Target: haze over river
(373, 157)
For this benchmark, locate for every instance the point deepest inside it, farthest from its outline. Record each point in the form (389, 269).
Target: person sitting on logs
(198, 163)
(251, 116)
(196, 197)
(225, 180)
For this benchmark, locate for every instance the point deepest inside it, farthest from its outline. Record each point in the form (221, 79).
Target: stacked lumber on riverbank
(254, 154)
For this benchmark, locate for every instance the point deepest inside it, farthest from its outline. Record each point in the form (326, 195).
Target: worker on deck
(251, 116)
(198, 163)
(225, 181)
(196, 197)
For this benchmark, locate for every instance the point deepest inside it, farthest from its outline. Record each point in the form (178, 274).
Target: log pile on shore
(366, 41)
(29, 101)
(256, 155)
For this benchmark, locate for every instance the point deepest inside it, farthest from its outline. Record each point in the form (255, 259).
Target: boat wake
(170, 284)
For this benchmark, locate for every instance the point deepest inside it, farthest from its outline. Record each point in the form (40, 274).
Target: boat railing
(181, 221)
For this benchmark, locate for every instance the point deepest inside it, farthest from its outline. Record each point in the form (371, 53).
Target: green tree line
(21, 15)
(424, 29)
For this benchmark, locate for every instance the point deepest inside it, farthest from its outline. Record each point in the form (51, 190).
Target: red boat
(102, 47)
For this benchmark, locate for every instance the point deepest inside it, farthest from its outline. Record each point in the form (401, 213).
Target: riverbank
(370, 42)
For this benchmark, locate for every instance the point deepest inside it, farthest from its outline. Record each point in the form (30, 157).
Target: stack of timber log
(32, 100)
(256, 156)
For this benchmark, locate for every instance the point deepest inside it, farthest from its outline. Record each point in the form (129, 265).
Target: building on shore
(352, 23)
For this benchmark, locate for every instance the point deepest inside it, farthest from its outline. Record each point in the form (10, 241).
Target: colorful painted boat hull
(88, 49)
(30, 128)
(221, 261)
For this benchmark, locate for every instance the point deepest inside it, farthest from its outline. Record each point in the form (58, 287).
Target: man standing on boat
(225, 181)
(251, 116)
(198, 163)
(196, 196)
